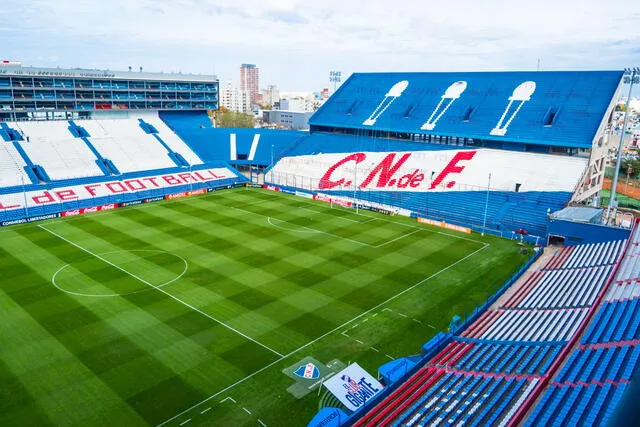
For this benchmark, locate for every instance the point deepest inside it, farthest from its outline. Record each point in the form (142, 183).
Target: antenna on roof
(539, 65)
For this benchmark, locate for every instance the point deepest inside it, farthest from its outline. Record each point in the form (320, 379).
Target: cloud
(297, 43)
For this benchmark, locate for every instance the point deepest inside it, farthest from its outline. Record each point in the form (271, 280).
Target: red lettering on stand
(326, 182)
(386, 169)
(452, 167)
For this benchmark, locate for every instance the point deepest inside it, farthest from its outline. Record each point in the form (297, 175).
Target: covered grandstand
(493, 151)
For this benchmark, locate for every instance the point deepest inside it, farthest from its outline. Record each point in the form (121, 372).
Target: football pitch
(186, 312)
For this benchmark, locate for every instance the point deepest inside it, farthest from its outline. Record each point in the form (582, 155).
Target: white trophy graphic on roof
(393, 93)
(521, 94)
(452, 93)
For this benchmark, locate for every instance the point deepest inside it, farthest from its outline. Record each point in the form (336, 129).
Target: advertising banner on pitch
(353, 386)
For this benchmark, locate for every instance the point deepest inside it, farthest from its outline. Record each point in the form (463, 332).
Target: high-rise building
(235, 99)
(270, 95)
(250, 80)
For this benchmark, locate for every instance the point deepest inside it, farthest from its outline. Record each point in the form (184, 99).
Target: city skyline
(296, 44)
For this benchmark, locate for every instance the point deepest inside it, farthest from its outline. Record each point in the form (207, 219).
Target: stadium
(427, 253)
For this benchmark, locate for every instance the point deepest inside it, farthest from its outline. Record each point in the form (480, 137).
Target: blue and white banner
(353, 386)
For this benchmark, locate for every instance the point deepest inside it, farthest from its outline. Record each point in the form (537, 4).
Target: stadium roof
(561, 108)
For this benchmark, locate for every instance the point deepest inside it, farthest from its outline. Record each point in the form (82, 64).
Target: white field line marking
(246, 410)
(186, 267)
(359, 341)
(397, 238)
(374, 314)
(206, 410)
(417, 321)
(228, 398)
(262, 424)
(289, 229)
(345, 334)
(325, 213)
(431, 326)
(375, 349)
(186, 421)
(160, 290)
(240, 381)
(403, 315)
(390, 357)
(312, 230)
(386, 309)
(382, 218)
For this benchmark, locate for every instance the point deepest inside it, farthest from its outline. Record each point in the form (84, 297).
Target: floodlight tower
(630, 77)
(335, 77)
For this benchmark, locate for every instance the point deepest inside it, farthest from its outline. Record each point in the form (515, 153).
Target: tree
(630, 166)
(233, 119)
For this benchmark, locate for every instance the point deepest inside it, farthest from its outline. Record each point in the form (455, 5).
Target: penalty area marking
(253, 374)
(308, 230)
(186, 267)
(173, 297)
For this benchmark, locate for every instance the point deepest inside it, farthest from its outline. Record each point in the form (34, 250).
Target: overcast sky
(296, 43)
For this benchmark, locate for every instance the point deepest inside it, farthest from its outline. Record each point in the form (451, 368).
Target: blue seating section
(508, 359)
(467, 208)
(215, 144)
(407, 102)
(577, 406)
(34, 211)
(600, 364)
(615, 321)
(588, 388)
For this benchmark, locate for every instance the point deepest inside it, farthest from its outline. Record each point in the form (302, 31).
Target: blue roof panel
(562, 108)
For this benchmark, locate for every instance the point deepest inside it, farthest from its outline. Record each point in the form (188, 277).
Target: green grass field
(186, 312)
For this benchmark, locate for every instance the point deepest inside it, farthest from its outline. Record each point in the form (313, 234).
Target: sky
(296, 43)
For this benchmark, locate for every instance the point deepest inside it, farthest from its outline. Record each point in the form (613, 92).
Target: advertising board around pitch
(353, 386)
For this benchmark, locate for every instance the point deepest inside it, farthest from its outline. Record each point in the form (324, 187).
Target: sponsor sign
(30, 219)
(335, 201)
(185, 194)
(112, 188)
(353, 386)
(270, 187)
(303, 194)
(446, 225)
(133, 203)
(154, 199)
(83, 211)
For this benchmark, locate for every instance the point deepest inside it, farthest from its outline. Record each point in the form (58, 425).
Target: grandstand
(489, 370)
(477, 159)
(498, 153)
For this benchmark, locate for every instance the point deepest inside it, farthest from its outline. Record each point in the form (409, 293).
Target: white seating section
(561, 173)
(595, 254)
(127, 145)
(552, 325)
(566, 288)
(12, 166)
(172, 140)
(623, 291)
(52, 146)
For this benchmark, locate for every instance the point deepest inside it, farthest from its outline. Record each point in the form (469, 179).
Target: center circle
(120, 273)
